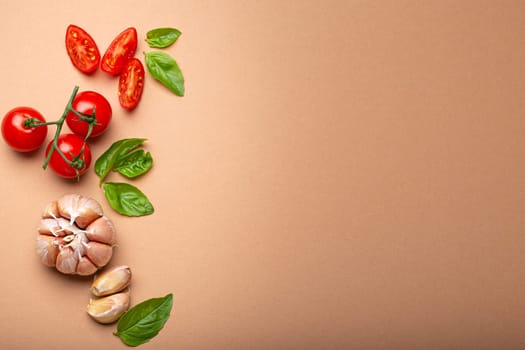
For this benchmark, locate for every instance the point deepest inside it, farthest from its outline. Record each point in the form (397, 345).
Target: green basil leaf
(134, 164)
(162, 37)
(127, 200)
(144, 321)
(165, 69)
(104, 164)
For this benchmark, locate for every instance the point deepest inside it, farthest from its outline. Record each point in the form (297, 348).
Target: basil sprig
(125, 157)
(116, 152)
(127, 200)
(165, 69)
(162, 37)
(144, 321)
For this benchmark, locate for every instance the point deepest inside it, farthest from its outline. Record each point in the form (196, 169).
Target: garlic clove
(79, 209)
(101, 230)
(86, 267)
(51, 210)
(108, 309)
(47, 249)
(112, 281)
(55, 227)
(99, 253)
(67, 261)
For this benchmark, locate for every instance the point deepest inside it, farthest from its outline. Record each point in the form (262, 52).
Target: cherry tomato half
(119, 51)
(82, 49)
(85, 102)
(131, 84)
(71, 145)
(19, 136)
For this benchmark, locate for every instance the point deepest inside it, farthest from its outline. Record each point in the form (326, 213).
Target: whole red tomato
(85, 102)
(131, 84)
(119, 51)
(18, 134)
(82, 49)
(75, 149)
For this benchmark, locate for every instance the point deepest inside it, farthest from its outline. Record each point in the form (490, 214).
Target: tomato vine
(76, 162)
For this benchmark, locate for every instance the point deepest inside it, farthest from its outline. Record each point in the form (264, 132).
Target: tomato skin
(19, 137)
(82, 49)
(84, 102)
(121, 49)
(70, 145)
(131, 84)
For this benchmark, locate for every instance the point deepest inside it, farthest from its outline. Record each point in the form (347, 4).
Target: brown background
(339, 175)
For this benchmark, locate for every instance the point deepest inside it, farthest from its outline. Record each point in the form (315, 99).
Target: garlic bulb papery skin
(74, 236)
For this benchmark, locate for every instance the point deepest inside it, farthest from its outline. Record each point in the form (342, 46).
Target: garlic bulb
(74, 236)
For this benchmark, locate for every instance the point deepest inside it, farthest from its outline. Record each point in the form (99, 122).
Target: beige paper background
(339, 175)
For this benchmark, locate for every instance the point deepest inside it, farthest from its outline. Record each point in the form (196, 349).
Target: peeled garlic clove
(86, 267)
(111, 281)
(101, 230)
(67, 261)
(79, 209)
(47, 249)
(108, 309)
(99, 253)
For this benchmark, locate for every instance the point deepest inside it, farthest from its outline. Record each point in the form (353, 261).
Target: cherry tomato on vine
(76, 150)
(18, 134)
(85, 102)
(82, 49)
(131, 84)
(119, 51)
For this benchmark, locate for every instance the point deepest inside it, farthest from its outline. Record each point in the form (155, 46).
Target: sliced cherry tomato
(131, 84)
(18, 134)
(75, 149)
(82, 49)
(119, 51)
(85, 102)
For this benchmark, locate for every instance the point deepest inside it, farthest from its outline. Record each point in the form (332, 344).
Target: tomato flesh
(131, 84)
(20, 137)
(85, 102)
(119, 51)
(71, 145)
(82, 49)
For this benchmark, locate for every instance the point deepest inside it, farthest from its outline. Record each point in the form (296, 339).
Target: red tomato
(119, 51)
(85, 102)
(82, 49)
(71, 145)
(18, 135)
(131, 84)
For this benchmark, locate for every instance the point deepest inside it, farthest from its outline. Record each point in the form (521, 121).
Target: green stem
(76, 163)
(34, 123)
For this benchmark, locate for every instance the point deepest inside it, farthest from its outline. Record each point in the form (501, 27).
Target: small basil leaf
(144, 321)
(127, 200)
(162, 37)
(104, 164)
(165, 69)
(134, 164)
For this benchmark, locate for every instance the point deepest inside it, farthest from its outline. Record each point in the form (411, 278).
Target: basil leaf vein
(162, 37)
(166, 70)
(127, 199)
(144, 321)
